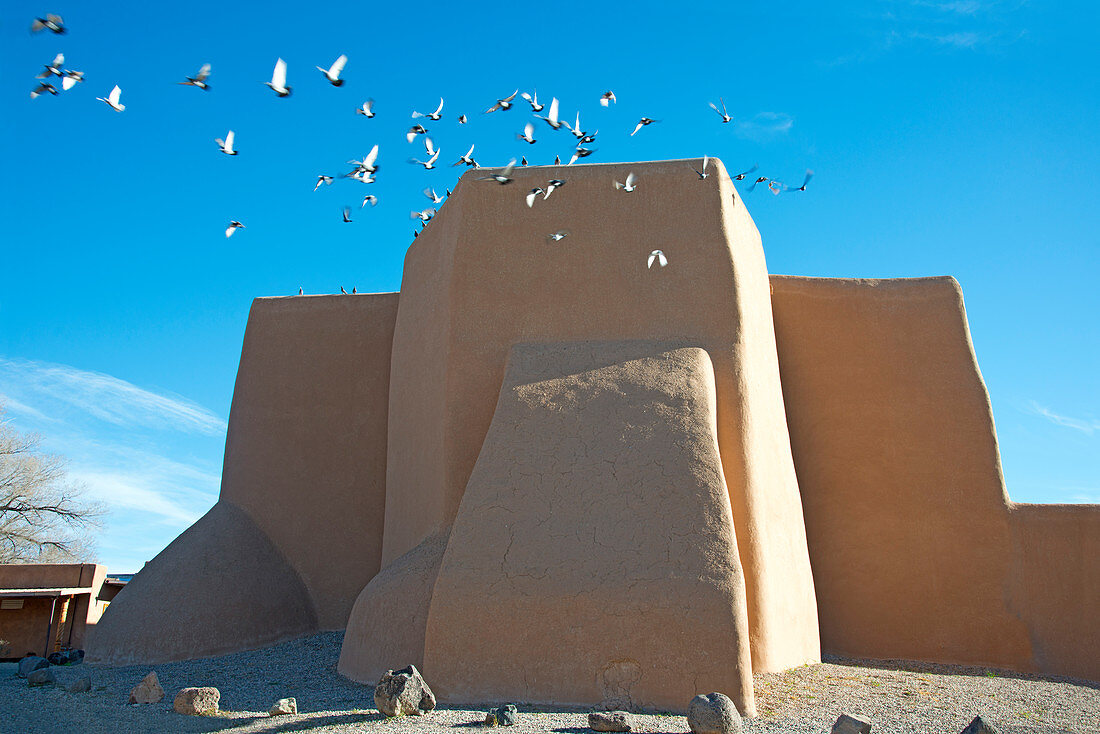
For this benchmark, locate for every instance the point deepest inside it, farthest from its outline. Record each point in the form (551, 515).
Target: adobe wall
(916, 551)
(25, 628)
(484, 276)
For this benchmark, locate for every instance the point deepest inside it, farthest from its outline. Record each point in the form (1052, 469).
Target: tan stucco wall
(483, 277)
(914, 549)
(26, 628)
(593, 560)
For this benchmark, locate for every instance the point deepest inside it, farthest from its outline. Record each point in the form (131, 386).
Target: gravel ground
(895, 697)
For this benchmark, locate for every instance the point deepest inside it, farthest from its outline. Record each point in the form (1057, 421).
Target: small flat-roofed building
(44, 607)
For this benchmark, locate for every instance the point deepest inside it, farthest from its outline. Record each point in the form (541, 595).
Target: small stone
(502, 716)
(403, 692)
(609, 721)
(148, 691)
(32, 663)
(41, 677)
(283, 707)
(197, 701)
(849, 725)
(979, 726)
(80, 685)
(713, 713)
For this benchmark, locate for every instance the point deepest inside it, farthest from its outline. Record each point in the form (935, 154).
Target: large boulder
(148, 690)
(283, 707)
(610, 721)
(197, 701)
(403, 692)
(41, 677)
(31, 663)
(502, 715)
(713, 713)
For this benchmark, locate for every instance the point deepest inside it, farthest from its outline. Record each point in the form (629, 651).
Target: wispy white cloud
(102, 396)
(765, 125)
(1085, 425)
(958, 39)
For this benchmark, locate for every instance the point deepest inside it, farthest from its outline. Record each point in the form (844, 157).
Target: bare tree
(44, 517)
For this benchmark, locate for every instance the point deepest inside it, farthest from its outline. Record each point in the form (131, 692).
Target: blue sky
(950, 138)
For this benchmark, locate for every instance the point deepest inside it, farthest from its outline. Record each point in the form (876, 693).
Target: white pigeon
(227, 144)
(414, 131)
(721, 113)
(429, 147)
(528, 133)
(71, 79)
(430, 163)
(112, 99)
(504, 177)
(369, 199)
(576, 129)
(656, 257)
(430, 193)
(534, 195)
(322, 179)
(503, 104)
(437, 115)
(366, 109)
(278, 79)
(629, 185)
(554, 183)
(424, 216)
(607, 98)
(552, 117)
(468, 159)
(53, 68)
(703, 173)
(558, 236)
(233, 227)
(199, 80)
(367, 164)
(580, 153)
(333, 72)
(642, 123)
(462, 119)
(533, 100)
(360, 176)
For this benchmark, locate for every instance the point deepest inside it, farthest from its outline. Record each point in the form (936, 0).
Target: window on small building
(11, 603)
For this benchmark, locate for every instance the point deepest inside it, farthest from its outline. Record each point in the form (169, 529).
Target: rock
(848, 725)
(80, 685)
(41, 677)
(713, 713)
(609, 721)
(501, 716)
(283, 707)
(403, 692)
(32, 663)
(197, 701)
(979, 726)
(148, 691)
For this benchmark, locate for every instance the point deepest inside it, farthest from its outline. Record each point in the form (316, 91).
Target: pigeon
(557, 160)
(776, 187)
(51, 22)
(430, 193)
(468, 159)
(504, 177)
(278, 79)
(576, 129)
(429, 146)
(333, 72)
(112, 99)
(300, 291)
(430, 163)
(554, 183)
(44, 87)
(415, 234)
(762, 179)
(199, 80)
(741, 176)
(629, 185)
(233, 227)
(580, 153)
(342, 288)
(642, 123)
(587, 138)
(366, 109)
(656, 257)
(503, 104)
(809, 175)
(462, 119)
(53, 68)
(533, 100)
(424, 216)
(227, 144)
(723, 114)
(322, 179)
(558, 236)
(528, 133)
(71, 79)
(369, 199)
(607, 98)
(523, 160)
(534, 193)
(437, 115)
(360, 176)
(353, 291)
(414, 131)
(552, 118)
(703, 173)
(367, 164)
(347, 218)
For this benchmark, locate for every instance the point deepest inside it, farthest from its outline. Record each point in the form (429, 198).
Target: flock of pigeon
(364, 170)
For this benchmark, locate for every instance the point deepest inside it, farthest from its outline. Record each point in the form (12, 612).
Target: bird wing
(652, 257)
(114, 95)
(553, 110)
(429, 146)
(507, 172)
(278, 76)
(230, 230)
(337, 66)
(368, 162)
(528, 131)
(714, 107)
(724, 113)
(661, 259)
(229, 140)
(706, 159)
(510, 97)
(809, 175)
(470, 152)
(435, 156)
(630, 179)
(68, 83)
(58, 61)
(637, 128)
(531, 198)
(439, 108)
(203, 73)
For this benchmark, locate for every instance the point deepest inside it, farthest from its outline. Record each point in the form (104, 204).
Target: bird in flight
(656, 257)
(528, 133)
(333, 72)
(642, 123)
(580, 153)
(607, 98)
(366, 109)
(468, 159)
(424, 216)
(462, 119)
(414, 131)
(552, 117)
(347, 218)
(322, 179)
(437, 115)
(809, 175)
(741, 176)
(721, 113)
(367, 164)
(533, 100)
(504, 176)
(503, 104)
(554, 183)
(369, 199)
(71, 79)
(703, 173)
(430, 163)
(50, 22)
(630, 184)
(430, 193)
(558, 236)
(233, 227)
(227, 144)
(45, 87)
(112, 99)
(53, 68)
(361, 176)
(278, 79)
(760, 180)
(199, 80)
(532, 196)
